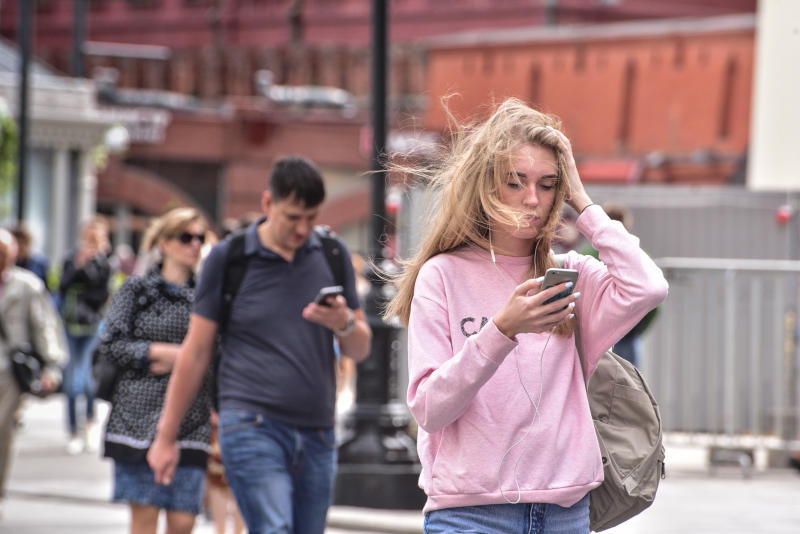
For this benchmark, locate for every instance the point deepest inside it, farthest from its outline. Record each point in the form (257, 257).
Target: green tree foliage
(8, 159)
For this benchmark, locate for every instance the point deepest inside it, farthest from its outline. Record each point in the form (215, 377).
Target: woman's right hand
(163, 458)
(162, 357)
(525, 311)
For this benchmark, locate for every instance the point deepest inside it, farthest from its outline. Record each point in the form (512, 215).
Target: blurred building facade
(211, 89)
(210, 48)
(663, 101)
(65, 129)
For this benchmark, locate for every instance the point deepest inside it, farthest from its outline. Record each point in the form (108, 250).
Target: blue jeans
(78, 378)
(282, 476)
(522, 518)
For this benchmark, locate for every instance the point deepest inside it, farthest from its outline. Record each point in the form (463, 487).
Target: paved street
(50, 492)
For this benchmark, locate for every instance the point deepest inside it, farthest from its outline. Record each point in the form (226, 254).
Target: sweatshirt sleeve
(616, 291)
(443, 383)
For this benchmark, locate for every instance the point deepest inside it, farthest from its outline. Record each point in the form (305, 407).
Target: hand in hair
(578, 199)
(525, 311)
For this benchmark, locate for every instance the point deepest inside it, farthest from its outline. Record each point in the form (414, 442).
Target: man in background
(277, 379)
(27, 258)
(28, 318)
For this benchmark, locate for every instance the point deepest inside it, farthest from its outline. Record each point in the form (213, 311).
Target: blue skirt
(135, 483)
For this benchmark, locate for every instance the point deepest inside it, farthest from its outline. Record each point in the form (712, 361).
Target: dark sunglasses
(186, 237)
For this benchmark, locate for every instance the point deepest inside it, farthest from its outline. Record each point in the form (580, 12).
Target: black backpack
(236, 263)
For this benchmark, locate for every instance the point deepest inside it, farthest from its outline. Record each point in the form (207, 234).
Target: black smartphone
(554, 276)
(328, 293)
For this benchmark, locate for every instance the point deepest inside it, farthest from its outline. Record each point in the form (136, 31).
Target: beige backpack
(628, 426)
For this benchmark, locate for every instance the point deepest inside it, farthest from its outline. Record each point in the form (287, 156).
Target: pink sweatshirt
(465, 390)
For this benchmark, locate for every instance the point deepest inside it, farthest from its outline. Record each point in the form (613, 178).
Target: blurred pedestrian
(38, 264)
(27, 257)
(567, 236)
(83, 292)
(506, 440)
(123, 261)
(28, 318)
(629, 347)
(276, 375)
(146, 323)
(346, 369)
(220, 502)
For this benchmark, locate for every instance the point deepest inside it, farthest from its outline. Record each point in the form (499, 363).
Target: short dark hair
(295, 177)
(22, 234)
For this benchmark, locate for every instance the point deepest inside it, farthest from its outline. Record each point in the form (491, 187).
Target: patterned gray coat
(145, 310)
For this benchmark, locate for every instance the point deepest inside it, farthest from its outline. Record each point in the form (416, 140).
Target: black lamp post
(78, 37)
(378, 467)
(24, 41)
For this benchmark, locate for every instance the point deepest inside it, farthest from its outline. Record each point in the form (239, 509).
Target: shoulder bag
(628, 426)
(26, 364)
(104, 372)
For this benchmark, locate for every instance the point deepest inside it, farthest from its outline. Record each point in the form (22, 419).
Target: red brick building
(654, 100)
(214, 47)
(222, 158)
(642, 101)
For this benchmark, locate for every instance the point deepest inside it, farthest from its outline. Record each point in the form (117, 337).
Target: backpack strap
(580, 352)
(334, 252)
(560, 259)
(233, 273)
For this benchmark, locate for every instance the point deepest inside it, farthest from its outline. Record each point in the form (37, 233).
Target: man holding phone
(277, 377)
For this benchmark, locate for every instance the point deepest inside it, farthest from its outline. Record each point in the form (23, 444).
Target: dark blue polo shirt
(274, 362)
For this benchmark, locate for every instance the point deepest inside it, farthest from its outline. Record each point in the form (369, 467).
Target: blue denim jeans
(522, 518)
(78, 378)
(282, 476)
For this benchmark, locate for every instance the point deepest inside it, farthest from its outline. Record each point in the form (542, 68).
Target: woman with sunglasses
(145, 326)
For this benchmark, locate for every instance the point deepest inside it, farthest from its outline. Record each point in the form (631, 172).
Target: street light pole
(378, 467)
(78, 38)
(380, 30)
(24, 43)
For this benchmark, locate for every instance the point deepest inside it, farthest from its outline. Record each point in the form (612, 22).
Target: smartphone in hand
(327, 293)
(554, 276)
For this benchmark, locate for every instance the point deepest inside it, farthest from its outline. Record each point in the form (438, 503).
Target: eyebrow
(525, 176)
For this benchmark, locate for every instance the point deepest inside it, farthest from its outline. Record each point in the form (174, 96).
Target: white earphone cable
(533, 404)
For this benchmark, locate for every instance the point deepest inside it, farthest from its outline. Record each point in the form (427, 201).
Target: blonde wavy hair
(170, 224)
(466, 180)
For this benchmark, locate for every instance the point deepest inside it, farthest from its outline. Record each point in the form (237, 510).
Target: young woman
(148, 320)
(506, 439)
(83, 292)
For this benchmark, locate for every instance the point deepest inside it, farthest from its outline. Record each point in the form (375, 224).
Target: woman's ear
(161, 242)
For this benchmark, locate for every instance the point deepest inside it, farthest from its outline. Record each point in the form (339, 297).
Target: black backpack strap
(233, 271)
(334, 253)
(232, 275)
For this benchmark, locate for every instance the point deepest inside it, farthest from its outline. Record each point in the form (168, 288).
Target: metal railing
(721, 356)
